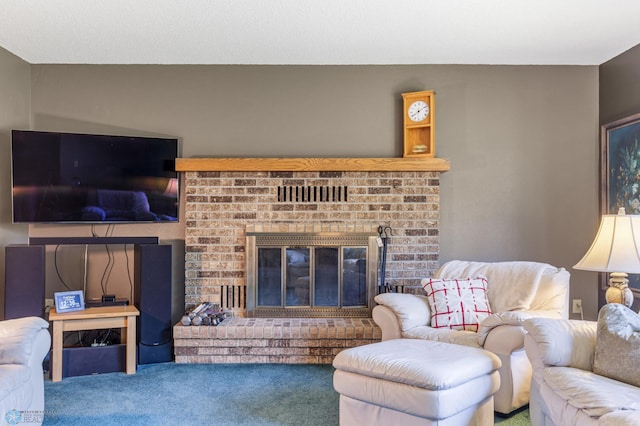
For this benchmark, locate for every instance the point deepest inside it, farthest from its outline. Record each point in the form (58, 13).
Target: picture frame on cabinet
(69, 301)
(620, 175)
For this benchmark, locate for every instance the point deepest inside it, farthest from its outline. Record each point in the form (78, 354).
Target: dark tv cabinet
(25, 292)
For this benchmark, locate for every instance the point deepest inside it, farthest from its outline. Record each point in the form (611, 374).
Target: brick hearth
(272, 340)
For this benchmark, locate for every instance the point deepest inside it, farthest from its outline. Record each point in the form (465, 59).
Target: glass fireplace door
(311, 275)
(339, 276)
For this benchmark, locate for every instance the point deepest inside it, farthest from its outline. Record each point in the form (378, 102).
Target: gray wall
(620, 94)
(620, 86)
(522, 140)
(15, 83)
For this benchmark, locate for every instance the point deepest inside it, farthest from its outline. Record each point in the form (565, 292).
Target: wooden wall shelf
(233, 164)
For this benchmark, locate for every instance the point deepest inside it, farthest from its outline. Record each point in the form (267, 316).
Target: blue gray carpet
(193, 394)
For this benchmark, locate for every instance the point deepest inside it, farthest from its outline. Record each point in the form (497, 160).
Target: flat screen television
(83, 178)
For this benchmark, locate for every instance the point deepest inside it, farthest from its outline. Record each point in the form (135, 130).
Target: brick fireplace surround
(221, 206)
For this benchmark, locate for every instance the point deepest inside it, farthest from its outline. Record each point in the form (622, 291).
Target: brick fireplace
(222, 207)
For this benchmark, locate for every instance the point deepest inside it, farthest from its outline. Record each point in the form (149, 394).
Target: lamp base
(618, 291)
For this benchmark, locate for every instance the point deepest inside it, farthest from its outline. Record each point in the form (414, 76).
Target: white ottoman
(416, 382)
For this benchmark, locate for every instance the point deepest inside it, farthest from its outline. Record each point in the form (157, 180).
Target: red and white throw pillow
(458, 304)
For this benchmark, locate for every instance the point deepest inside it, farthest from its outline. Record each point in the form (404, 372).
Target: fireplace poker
(383, 236)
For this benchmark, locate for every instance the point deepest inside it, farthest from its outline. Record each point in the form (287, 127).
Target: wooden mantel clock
(419, 124)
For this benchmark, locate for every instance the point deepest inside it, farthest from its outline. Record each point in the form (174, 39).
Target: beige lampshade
(616, 247)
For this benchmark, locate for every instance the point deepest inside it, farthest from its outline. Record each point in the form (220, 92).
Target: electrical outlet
(577, 306)
(48, 303)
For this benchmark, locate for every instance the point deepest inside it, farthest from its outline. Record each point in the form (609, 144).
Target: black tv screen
(77, 178)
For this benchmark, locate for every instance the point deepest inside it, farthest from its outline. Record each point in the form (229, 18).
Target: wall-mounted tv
(83, 178)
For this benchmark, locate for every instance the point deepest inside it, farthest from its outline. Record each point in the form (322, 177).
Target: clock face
(418, 111)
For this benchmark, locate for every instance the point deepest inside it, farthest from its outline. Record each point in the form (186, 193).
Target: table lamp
(616, 249)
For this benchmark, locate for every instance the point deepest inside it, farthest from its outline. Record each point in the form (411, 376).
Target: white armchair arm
(505, 339)
(569, 343)
(516, 318)
(19, 340)
(398, 312)
(24, 342)
(387, 321)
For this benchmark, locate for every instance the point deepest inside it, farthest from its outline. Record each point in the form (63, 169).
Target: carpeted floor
(193, 394)
(517, 418)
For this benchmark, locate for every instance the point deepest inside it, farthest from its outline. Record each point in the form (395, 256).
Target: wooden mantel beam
(283, 164)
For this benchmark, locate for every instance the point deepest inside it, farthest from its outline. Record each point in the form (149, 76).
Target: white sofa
(516, 291)
(24, 343)
(564, 390)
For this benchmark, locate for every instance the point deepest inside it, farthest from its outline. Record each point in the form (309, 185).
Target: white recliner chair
(516, 292)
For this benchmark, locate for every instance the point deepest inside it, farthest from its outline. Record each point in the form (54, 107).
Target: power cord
(55, 263)
(126, 254)
(104, 281)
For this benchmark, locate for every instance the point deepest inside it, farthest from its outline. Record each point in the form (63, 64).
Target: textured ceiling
(581, 32)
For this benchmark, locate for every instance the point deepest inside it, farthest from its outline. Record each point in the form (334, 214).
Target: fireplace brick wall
(222, 206)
